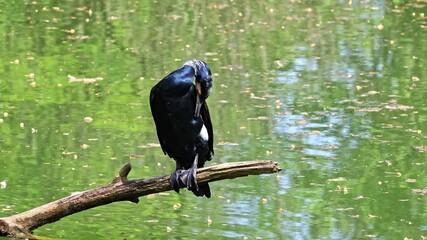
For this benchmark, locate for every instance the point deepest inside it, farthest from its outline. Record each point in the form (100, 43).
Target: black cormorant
(183, 123)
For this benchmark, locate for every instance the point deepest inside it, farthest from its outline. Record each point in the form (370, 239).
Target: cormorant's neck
(189, 69)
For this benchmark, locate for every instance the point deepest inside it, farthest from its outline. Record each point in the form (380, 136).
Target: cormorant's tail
(204, 190)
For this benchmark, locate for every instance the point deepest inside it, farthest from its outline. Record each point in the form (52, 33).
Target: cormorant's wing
(157, 105)
(166, 98)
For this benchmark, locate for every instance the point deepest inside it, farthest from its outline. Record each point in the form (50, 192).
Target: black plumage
(183, 123)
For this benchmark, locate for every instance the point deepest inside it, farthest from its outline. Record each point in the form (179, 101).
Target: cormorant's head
(203, 78)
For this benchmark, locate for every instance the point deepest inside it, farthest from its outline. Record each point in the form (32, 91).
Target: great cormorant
(183, 123)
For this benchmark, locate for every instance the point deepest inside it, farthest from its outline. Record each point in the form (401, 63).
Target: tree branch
(121, 189)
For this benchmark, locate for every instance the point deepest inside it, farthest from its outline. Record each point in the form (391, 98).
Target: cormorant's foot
(185, 178)
(192, 179)
(175, 180)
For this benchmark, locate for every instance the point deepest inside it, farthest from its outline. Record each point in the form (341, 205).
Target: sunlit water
(332, 91)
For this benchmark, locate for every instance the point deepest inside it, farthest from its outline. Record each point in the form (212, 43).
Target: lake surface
(334, 91)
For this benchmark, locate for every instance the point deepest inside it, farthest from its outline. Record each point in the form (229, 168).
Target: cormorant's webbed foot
(175, 178)
(187, 178)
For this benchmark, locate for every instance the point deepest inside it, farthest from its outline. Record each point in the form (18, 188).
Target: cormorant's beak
(198, 103)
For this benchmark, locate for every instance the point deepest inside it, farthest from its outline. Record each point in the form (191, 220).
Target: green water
(334, 91)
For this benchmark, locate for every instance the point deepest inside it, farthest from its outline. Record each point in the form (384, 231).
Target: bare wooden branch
(121, 189)
(123, 173)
